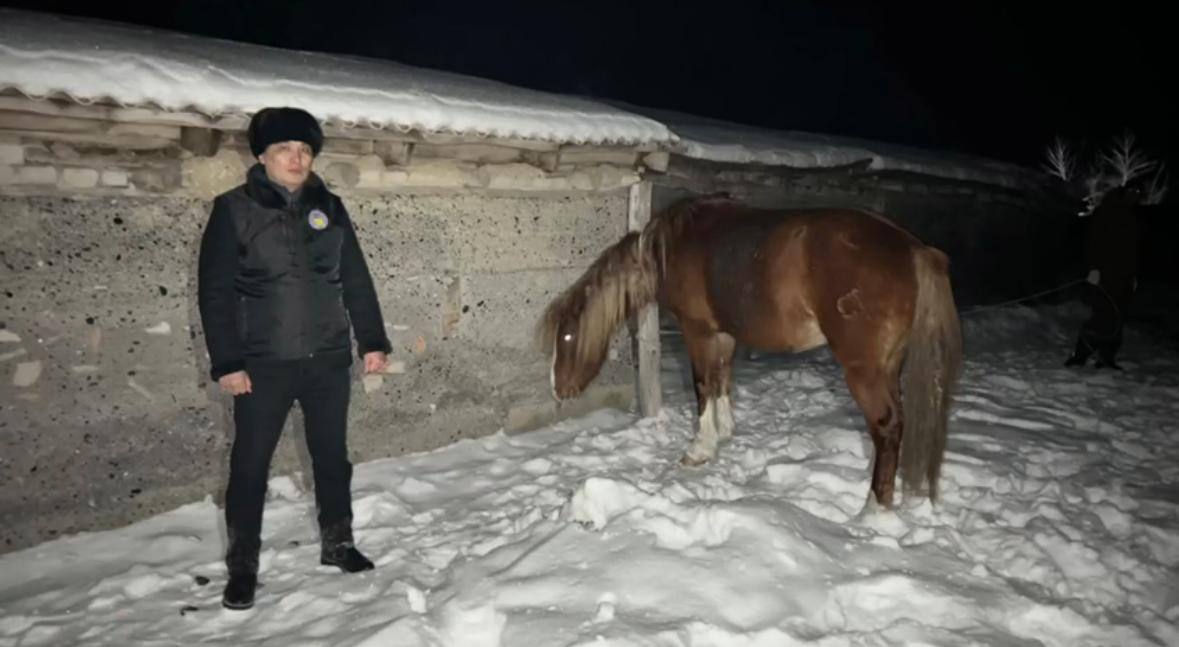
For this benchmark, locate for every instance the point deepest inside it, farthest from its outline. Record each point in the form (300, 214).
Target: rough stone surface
(26, 374)
(159, 178)
(341, 175)
(208, 176)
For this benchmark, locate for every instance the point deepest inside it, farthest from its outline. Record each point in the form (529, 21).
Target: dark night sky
(987, 78)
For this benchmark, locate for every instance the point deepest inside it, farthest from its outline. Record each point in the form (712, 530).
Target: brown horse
(782, 281)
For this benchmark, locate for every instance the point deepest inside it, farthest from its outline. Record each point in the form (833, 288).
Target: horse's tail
(933, 364)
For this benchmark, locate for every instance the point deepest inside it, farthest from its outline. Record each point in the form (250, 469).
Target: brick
(12, 154)
(35, 175)
(114, 178)
(79, 178)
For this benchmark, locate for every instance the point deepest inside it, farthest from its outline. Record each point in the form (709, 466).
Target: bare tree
(1122, 163)
(1125, 162)
(1157, 189)
(1061, 160)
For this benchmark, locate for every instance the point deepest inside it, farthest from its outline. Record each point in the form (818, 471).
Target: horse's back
(849, 248)
(793, 279)
(861, 286)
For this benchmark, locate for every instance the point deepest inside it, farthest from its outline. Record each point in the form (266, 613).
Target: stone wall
(107, 414)
(32, 164)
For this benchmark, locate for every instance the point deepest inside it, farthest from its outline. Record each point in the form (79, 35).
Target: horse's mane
(617, 284)
(672, 221)
(624, 278)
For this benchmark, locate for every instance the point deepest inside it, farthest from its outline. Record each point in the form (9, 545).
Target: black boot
(242, 561)
(337, 549)
(1107, 350)
(239, 592)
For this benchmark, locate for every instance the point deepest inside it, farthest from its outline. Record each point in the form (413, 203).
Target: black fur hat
(270, 125)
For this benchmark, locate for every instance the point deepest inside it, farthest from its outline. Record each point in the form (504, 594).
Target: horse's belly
(805, 337)
(797, 333)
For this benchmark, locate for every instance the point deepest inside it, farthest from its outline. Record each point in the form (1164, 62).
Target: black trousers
(1101, 333)
(323, 394)
(1109, 301)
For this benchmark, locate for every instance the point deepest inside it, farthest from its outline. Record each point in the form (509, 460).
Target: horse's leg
(726, 347)
(878, 395)
(711, 355)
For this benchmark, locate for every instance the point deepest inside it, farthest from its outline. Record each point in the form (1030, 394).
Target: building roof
(721, 141)
(90, 61)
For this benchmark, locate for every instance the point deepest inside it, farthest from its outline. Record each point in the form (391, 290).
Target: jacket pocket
(334, 329)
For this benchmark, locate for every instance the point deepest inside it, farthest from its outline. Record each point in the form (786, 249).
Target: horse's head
(574, 364)
(577, 326)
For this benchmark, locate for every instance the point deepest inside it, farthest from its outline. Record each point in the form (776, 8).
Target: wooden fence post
(650, 391)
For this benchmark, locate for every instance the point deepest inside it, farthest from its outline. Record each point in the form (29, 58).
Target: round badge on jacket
(317, 219)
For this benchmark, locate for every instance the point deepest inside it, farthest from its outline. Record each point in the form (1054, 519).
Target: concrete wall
(107, 414)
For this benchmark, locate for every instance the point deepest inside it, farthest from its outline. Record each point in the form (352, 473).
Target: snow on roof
(44, 55)
(721, 141)
(88, 61)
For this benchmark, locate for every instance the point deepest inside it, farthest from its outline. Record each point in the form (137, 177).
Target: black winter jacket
(283, 280)
(1112, 238)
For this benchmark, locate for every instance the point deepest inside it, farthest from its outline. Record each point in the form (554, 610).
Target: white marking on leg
(724, 417)
(703, 448)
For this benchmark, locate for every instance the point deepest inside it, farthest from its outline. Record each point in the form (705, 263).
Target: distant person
(1111, 251)
(282, 284)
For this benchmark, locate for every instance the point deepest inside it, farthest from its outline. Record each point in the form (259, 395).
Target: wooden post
(650, 391)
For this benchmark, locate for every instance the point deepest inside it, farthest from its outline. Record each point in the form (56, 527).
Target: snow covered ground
(1059, 526)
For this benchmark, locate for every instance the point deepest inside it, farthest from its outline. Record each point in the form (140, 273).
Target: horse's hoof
(876, 505)
(691, 461)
